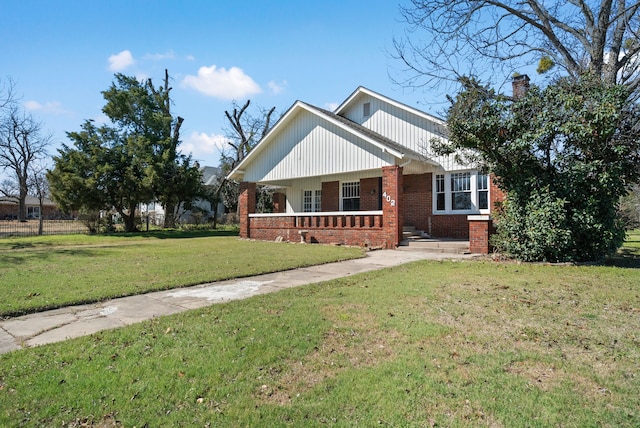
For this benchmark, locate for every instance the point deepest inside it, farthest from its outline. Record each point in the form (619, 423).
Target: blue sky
(62, 54)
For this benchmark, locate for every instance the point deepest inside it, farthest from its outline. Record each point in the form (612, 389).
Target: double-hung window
(440, 193)
(464, 192)
(460, 191)
(351, 196)
(483, 191)
(311, 200)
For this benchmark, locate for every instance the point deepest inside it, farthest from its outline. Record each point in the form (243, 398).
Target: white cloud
(49, 107)
(277, 88)
(202, 144)
(222, 83)
(331, 106)
(120, 61)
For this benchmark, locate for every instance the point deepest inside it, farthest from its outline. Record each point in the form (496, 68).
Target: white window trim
(447, 193)
(342, 192)
(314, 198)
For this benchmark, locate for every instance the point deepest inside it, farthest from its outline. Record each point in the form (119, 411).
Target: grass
(48, 272)
(454, 344)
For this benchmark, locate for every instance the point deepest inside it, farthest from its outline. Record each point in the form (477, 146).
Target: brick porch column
(246, 206)
(279, 203)
(480, 229)
(392, 220)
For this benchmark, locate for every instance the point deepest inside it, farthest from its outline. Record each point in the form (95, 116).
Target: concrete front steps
(418, 240)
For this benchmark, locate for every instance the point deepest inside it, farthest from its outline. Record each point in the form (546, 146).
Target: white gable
(311, 142)
(405, 125)
(309, 145)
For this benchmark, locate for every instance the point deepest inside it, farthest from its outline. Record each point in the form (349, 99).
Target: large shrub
(565, 155)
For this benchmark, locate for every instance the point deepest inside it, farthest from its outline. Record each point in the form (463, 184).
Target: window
(440, 195)
(311, 200)
(366, 109)
(33, 212)
(351, 196)
(461, 191)
(483, 192)
(464, 192)
(307, 202)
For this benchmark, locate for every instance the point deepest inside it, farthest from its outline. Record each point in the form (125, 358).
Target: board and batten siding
(312, 146)
(403, 126)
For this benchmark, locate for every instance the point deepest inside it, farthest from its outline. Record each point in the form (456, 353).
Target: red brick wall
(279, 203)
(370, 194)
(479, 236)
(392, 212)
(49, 211)
(417, 201)
(496, 194)
(330, 196)
(363, 231)
(454, 226)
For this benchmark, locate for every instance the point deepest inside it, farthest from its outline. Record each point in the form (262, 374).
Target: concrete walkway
(75, 321)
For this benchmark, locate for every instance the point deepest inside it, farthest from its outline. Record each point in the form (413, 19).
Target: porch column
(392, 194)
(279, 203)
(480, 230)
(246, 206)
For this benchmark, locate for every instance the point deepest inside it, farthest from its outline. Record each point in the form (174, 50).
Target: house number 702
(388, 198)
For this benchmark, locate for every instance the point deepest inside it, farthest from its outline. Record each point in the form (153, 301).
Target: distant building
(201, 210)
(9, 208)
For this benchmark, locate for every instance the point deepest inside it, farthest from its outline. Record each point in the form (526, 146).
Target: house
(360, 175)
(9, 208)
(200, 210)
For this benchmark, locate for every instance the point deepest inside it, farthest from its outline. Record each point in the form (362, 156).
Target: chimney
(520, 85)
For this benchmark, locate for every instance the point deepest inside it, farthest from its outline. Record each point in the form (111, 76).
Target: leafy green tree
(565, 155)
(132, 161)
(141, 109)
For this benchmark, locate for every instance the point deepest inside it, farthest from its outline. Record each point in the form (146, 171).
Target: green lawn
(455, 344)
(53, 271)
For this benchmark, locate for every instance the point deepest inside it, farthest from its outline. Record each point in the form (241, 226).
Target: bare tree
(7, 95)
(39, 187)
(480, 37)
(246, 131)
(22, 142)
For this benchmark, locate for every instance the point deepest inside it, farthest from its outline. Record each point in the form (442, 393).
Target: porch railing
(319, 220)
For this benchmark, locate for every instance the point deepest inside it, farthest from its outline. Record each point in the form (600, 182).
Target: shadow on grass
(45, 254)
(627, 257)
(179, 234)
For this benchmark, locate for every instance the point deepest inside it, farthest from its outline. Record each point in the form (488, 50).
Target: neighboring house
(360, 175)
(9, 208)
(201, 209)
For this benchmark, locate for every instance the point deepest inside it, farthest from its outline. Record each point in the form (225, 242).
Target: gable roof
(385, 144)
(362, 90)
(29, 200)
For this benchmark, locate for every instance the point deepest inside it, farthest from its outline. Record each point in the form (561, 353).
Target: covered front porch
(367, 228)
(371, 228)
